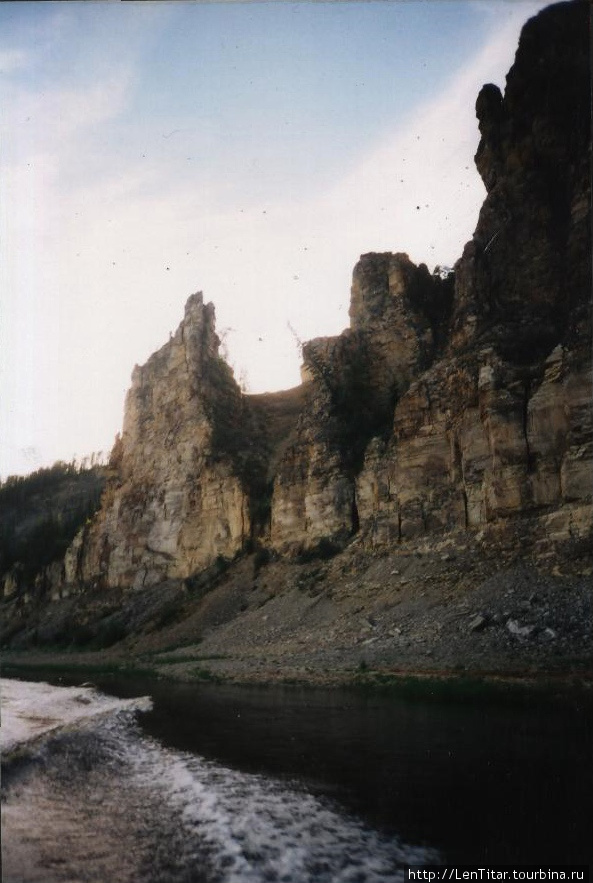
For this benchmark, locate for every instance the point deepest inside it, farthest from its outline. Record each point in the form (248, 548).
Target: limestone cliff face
(487, 387)
(501, 426)
(453, 402)
(177, 501)
(398, 312)
(477, 441)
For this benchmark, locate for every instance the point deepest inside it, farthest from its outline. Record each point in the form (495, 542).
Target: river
(298, 785)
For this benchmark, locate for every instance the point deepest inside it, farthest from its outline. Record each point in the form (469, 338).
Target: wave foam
(253, 829)
(172, 817)
(32, 710)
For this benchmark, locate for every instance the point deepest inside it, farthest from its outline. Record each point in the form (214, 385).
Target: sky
(249, 150)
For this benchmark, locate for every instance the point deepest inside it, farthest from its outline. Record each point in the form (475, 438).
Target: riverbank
(439, 684)
(461, 609)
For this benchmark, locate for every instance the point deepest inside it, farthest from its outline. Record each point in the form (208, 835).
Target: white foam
(254, 828)
(233, 827)
(31, 710)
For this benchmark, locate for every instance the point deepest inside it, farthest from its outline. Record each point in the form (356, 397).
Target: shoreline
(380, 678)
(448, 615)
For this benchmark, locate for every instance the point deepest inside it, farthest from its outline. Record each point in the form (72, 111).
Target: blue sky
(249, 150)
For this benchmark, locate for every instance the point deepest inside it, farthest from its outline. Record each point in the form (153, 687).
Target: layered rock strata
(175, 503)
(501, 426)
(398, 313)
(189, 473)
(453, 402)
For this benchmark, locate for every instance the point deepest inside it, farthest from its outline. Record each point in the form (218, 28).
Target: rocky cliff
(449, 403)
(457, 406)
(190, 481)
(399, 315)
(470, 400)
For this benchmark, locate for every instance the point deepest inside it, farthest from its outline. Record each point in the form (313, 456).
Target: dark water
(495, 783)
(503, 780)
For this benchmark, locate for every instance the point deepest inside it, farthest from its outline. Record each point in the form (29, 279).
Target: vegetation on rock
(41, 513)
